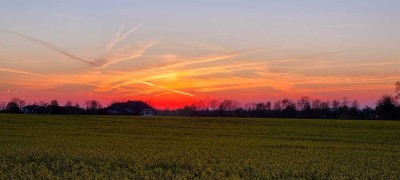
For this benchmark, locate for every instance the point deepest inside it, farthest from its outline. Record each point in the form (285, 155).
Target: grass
(88, 147)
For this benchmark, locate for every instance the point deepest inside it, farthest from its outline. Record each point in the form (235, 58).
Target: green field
(196, 148)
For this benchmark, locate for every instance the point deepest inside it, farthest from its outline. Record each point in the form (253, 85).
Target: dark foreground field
(190, 148)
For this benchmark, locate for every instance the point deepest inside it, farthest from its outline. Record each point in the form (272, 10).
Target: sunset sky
(172, 53)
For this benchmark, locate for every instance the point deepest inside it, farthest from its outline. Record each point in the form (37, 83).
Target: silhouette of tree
(261, 106)
(214, 105)
(354, 110)
(335, 104)
(355, 105)
(68, 104)
(345, 103)
(289, 108)
(189, 110)
(226, 105)
(55, 108)
(304, 104)
(316, 104)
(54, 103)
(41, 103)
(92, 105)
(278, 105)
(268, 106)
(386, 108)
(250, 106)
(13, 107)
(368, 113)
(201, 105)
(2, 105)
(326, 105)
(20, 103)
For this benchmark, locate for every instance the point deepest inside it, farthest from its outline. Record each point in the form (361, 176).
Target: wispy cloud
(120, 37)
(172, 90)
(48, 46)
(138, 52)
(99, 63)
(207, 59)
(19, 72)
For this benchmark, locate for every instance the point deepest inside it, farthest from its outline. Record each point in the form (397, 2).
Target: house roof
(128, 108)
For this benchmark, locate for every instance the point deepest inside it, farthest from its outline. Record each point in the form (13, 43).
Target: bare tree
(304, 103)
(278, 105)
(250, 106)
(268, 105)
(21, 103)
(3, 105)
(54, 103)
(316, 104)
(261, 106)
(235, 105)
(214, 104)
(335, 104)
(226, 105)
(345, 103)
(287, 103)
(325, 105)
(398, 89)
(68, 103)
(201, 105)
(92, 104)
(41, 103)
(355, 105)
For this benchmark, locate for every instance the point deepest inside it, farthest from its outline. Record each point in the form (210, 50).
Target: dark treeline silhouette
(387, 108)
(90, 107)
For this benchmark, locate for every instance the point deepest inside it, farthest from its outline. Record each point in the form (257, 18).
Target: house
(130, 108)
(30, 109)
(147, 112)
(35, 109)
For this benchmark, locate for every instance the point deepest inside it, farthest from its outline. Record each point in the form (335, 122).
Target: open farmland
(191, 148)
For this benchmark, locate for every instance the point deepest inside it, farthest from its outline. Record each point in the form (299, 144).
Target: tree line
(16, 105)
(387, 107)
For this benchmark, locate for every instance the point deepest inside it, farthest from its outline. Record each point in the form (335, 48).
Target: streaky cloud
(118, 37)
(20, 72)
(205, 59)
(102, 63)
(168, 89)
(48, 46)
(99, 63)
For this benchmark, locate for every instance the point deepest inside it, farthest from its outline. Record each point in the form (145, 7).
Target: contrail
(205, 60)
(48, 46)
(102, 63)
(20, 72)
(118, 37)
(168, 89)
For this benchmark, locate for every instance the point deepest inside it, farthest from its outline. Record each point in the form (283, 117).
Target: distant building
(35, 109)
(130, 108)
(147, 112)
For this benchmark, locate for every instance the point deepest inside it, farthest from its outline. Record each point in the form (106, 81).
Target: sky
(176, 52)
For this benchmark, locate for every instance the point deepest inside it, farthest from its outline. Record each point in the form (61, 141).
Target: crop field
(116, 147)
